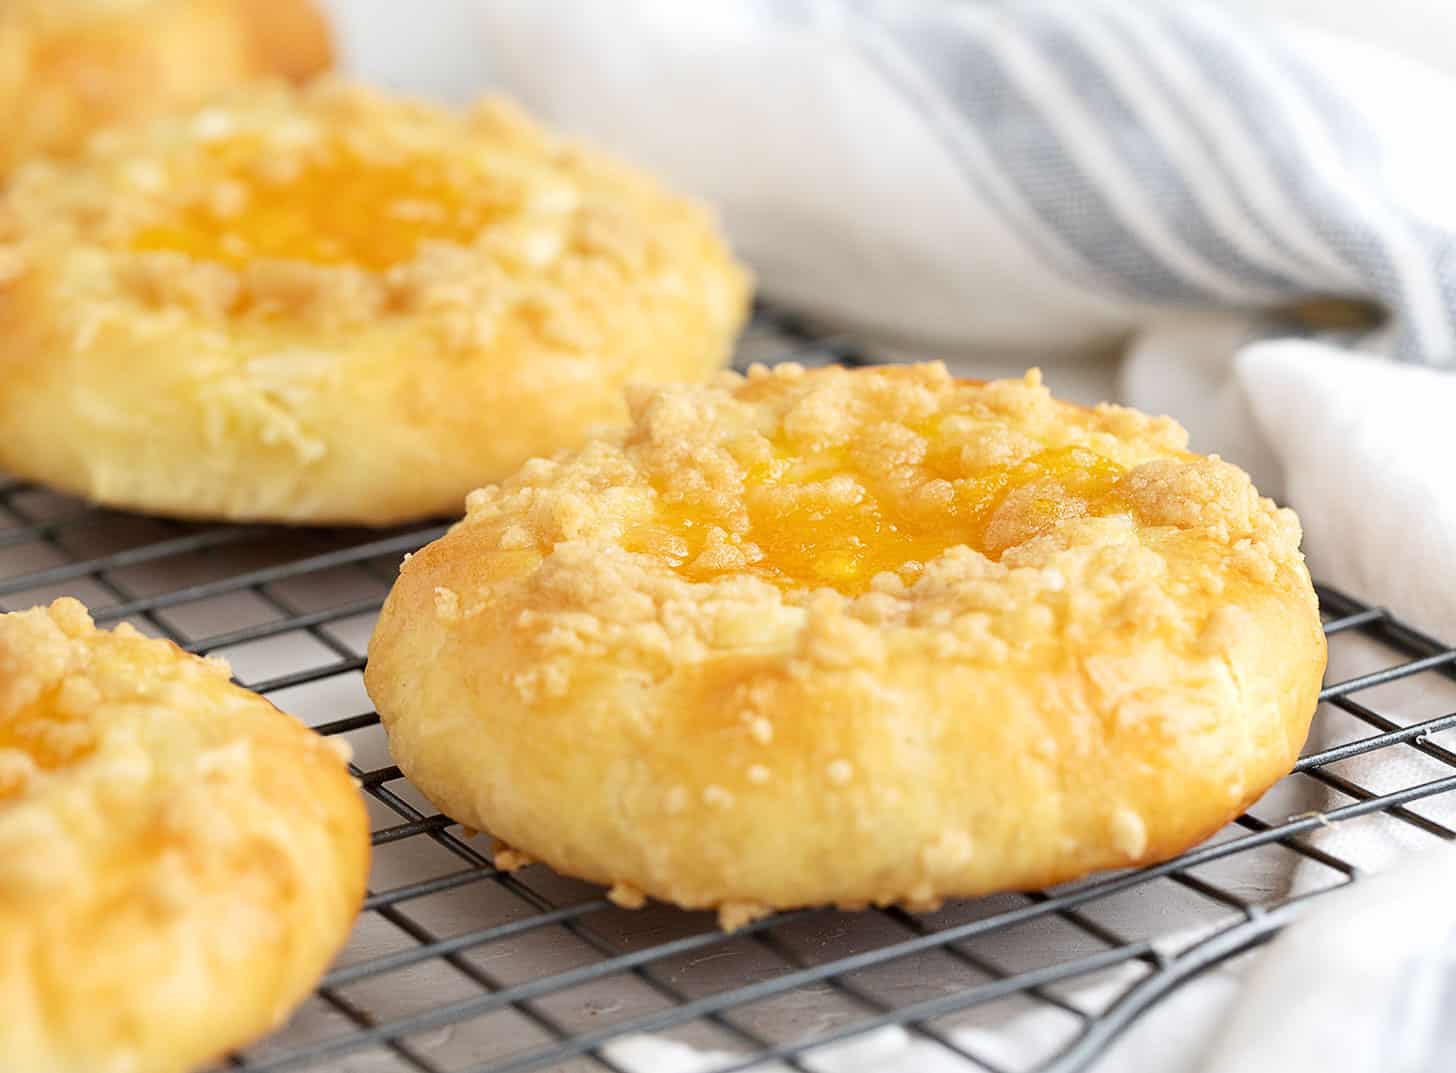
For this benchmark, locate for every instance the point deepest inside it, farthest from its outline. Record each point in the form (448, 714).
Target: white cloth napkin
(1025, 175)
(1135, 195)
(1363, 444)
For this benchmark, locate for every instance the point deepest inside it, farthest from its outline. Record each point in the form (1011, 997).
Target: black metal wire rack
(455, 966)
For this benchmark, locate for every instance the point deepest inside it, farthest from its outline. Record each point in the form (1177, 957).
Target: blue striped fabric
(1174, 156)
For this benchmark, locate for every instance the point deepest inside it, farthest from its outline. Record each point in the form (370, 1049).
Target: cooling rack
(455, 967)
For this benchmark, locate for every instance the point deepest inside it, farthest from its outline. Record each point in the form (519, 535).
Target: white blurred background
(382, 36)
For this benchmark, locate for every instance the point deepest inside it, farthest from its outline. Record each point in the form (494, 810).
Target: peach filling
(338, 209)
(825, 522)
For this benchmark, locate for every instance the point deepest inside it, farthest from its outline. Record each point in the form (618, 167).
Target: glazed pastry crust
(178, 859)
(1104, 680)
(70, 67)
(275, 387)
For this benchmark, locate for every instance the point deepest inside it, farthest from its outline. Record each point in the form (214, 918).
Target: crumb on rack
(626, 895)
(508, 859)
(734, 915)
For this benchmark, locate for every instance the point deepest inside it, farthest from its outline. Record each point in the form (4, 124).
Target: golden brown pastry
(853, 637)
(333, 306)
(178, 859)
(70, 67)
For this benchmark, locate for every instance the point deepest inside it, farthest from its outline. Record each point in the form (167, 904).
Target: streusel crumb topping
(824, 511)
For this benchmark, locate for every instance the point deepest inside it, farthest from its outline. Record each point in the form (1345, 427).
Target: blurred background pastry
(71, 67)
(334, 305)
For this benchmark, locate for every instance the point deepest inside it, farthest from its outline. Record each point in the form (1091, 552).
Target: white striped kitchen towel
(1020, 174)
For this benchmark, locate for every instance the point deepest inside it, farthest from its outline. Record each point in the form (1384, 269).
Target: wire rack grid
(455, 966)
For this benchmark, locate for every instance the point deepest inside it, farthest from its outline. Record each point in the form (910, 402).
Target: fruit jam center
(823, 523)
(338, 209)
